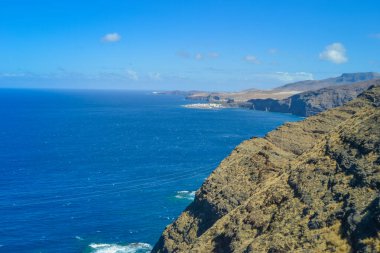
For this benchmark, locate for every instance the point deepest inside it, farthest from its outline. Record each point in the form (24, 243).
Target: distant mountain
(283, 92)
(251, 89)
(312, 102)
(346, 78)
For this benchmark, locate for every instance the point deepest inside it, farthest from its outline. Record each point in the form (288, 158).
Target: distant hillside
(236, 98)
(312, 102)
(347, 78)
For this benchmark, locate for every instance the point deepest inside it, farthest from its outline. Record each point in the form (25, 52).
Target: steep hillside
(346, 78)
(310, 186)
(282, 92)
(312, 102)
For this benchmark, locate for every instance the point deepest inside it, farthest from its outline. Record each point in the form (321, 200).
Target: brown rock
(310, 186)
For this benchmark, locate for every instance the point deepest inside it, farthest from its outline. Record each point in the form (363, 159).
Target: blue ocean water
(106, 171)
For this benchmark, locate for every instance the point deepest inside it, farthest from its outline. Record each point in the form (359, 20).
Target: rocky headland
(309, 186)
(315, 101)
(303, 98)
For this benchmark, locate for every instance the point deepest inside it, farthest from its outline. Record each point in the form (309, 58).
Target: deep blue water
(80, 168)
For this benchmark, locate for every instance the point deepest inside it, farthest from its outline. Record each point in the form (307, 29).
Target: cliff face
(310, 186)
(312, 102)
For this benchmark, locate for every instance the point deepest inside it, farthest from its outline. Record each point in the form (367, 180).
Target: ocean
(106, 171)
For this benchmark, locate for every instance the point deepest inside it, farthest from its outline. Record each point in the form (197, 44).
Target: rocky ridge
(303, 98)
(282, 92)
(344, 79)
(312, 102)
(309, 186)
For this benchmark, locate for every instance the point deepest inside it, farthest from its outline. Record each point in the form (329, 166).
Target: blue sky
(183, 44)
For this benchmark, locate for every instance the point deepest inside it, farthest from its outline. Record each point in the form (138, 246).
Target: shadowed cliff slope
(312, 102)
(310, 186)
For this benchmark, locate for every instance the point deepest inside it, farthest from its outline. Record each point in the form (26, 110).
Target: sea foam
(190, 195)
(117, 248)
(79, 238)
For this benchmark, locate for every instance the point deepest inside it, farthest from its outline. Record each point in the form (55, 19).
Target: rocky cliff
(310, 186)
(312, 102)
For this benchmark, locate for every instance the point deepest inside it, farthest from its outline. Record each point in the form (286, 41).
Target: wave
(190, 195)
(117, 248)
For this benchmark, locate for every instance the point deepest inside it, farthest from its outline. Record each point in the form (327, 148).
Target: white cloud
(292, 77)
(273, 51)
(375, 35)
(111, 37)
(251, 59)
(183, 54)
(18, 74)
(213, 55)
(335, 53)
(199, 56)
(155, 76)
(132, 75)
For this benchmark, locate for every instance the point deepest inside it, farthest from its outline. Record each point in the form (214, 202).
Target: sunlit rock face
(310, 186)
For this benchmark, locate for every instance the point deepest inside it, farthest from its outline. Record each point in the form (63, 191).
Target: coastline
(158, 154)
(275, 187)
(204, 106)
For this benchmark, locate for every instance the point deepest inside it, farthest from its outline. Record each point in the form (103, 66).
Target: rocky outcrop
(309, 186)
(312, 102)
